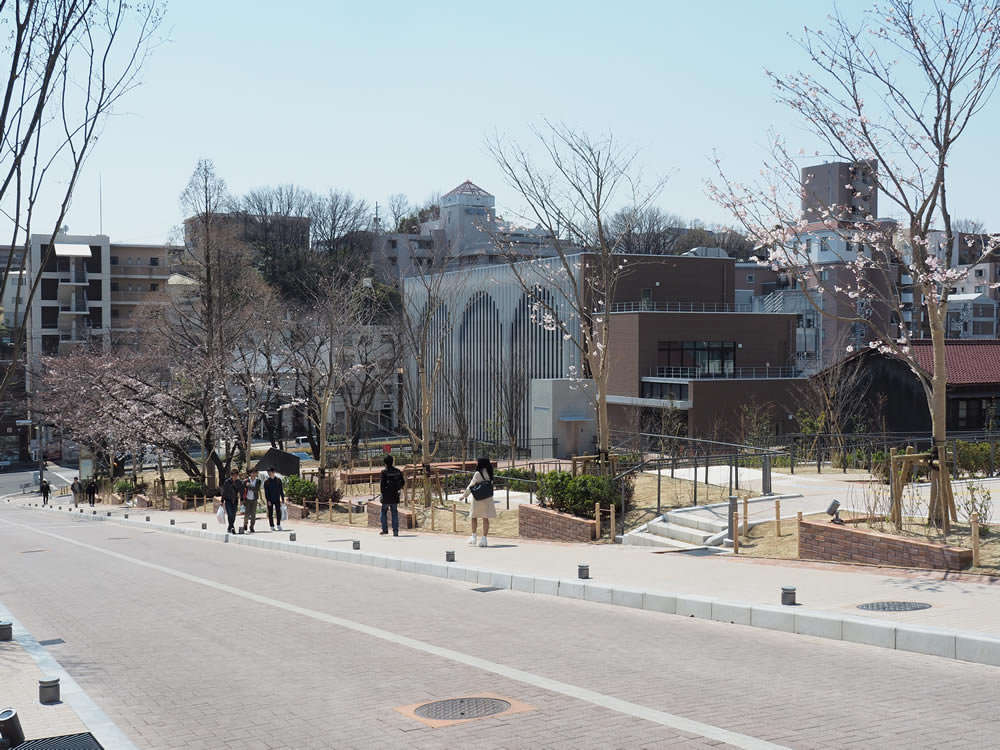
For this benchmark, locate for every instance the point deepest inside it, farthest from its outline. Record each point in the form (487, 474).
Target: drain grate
(893, 606)
(488, 589)
(456, 709)
(52, 642)
(85, 741)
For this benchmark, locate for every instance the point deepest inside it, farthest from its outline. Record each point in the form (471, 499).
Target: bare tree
(399, 206)
(70, 63)
(891, 93)
(572, 198)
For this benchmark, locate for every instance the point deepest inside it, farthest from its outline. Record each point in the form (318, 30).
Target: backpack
(394, 482)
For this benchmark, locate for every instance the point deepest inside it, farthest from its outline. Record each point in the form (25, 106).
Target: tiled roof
(967, 361)
(466, 188)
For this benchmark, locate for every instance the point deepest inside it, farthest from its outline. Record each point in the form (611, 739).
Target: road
(192, 644)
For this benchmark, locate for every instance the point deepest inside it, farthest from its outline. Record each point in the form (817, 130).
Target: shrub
(973, 458)
(189, 488)
(579, 494)
(122, 486)
(298, 490)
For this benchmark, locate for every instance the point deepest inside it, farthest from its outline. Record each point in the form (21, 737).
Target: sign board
(387, 448)
(23, 422)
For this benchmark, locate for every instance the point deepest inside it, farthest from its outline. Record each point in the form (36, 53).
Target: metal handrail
(734, 373)
(703, 307)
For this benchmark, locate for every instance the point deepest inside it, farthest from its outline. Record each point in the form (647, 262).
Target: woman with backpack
(481, 489)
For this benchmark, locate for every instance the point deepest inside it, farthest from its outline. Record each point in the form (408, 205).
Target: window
(698, 358)
(393, 244)
(980, 289)
(647, 299)
(750, 278)
(154, 261)
(115, 312)
(979, 273)
(114, 260)
(154, 287)
(114, 286)
(824, 275)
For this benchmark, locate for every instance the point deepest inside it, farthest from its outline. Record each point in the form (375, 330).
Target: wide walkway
(191, 644)
(963, 602)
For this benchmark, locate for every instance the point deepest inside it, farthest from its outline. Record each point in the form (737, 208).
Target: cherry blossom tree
(573, 193)
(890, 92)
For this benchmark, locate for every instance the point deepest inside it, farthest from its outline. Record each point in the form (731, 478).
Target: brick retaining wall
(535, 522)
(827, 541)
(375, 516)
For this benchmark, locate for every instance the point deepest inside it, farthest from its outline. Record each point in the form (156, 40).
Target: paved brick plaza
(176, 663)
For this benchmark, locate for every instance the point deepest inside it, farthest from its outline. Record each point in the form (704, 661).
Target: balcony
(147, 296)
(158, 271)
(686, 307)
(730, 373)
(75, 308)
(73, 277)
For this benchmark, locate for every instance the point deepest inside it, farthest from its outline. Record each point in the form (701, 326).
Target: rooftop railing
(730, 373)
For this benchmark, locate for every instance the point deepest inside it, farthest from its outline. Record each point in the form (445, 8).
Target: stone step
(646, 539)
(680, 533)
(694, 520)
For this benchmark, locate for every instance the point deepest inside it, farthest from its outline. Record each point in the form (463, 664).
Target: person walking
(232, 490)
(77, 490)
(251, 491)
(274, 494)
(390, 485)
(44, 488)
(92, 492)
(482, 506)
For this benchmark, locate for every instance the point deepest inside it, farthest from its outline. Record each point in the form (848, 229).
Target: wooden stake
(736, 532)
(746, 516)
(350, 511)
(974, 520)
(614, 526)
(597, 517)
(454, 517)
(798, 534)
(777, 517)
(432, 515)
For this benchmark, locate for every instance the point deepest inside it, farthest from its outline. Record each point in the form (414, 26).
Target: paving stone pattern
(177, 664)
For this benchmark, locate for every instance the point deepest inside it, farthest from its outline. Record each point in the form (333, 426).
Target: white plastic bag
(284, 512)
(221, 513)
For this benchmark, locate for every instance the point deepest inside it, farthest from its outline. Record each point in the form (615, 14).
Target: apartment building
(90, 289)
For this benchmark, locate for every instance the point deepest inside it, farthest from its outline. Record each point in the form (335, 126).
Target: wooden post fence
(746, 517)
(777, 517)
(974, 520)
(597, 517)
(736, 532)
(798, 535)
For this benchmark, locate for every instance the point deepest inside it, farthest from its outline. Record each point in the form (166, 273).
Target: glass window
(154, 261)
(750, 278)
(114, 260)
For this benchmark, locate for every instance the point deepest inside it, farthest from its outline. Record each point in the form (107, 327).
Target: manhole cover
(462, 708)
(894, 606)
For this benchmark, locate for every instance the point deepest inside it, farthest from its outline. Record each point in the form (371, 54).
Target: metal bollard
(109, 513)
(788, 595)
(449, 556)
(291, 537)
(240, 531)
(10, 727)
(356, 544)
(93, 512)
(173, 522)
(6, 631)
(204, 526)
(583, 571)
(126, 515)
(48, 690)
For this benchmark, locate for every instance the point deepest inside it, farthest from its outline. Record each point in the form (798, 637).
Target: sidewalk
(965, 603)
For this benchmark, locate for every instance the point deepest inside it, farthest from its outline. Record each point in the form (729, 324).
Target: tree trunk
(938, 510)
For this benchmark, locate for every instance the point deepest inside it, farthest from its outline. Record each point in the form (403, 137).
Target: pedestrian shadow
(502, 546)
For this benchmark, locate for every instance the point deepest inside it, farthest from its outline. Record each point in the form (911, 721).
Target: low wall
(827, 541)
(375, 516)
(535, 522)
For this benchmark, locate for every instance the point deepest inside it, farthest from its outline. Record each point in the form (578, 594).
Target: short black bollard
(204, 526)
(126, 515)
(10, 727)
(583, 571)
(93, 512)
(147, 518)
(356, 544)
(240, 531)
(48, 690)
(173, 522)
(6, 631)
(788, 595)
(109, 514)
(291, 537)
(449, 556)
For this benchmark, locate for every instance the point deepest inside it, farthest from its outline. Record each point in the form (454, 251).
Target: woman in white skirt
(481, 508)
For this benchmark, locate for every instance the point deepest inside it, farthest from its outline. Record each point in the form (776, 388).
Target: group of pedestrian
(392, 482)
(78, 489)
(248, 491)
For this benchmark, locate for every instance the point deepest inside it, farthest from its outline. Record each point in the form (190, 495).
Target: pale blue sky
(385, 97)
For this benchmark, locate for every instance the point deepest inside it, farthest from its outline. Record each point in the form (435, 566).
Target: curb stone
(980, 648)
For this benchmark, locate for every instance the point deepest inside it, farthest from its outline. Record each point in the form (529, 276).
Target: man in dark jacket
(232, 491)
(274, 494)
(44, 487)
(92, 492)
(77, 489)
(391, 484)
(251, 494)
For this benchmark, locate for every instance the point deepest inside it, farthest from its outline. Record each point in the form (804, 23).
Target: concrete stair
(642, 538)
